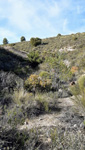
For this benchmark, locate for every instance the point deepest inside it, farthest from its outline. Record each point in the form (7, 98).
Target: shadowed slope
(12, 62)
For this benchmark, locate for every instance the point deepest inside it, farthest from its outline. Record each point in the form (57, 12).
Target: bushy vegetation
(82, 63)
(34, 58)
(22, 39)
(33, 139)
(13, 139)
(32, 81)
(58, 67)
(5, 41)
(42, 103)
(45, 75)
(67, 140)
(38, 82)
(16, 116)
(58, 35)
(35, 41)
(39, 85)
(20, 96)
(78, 90)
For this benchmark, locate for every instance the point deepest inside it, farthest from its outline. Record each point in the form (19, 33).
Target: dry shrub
(74, 69)
(38, 82)
(21, 96)
(31, 82)
(42, 102)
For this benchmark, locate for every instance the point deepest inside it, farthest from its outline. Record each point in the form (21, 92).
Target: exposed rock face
(66, 49)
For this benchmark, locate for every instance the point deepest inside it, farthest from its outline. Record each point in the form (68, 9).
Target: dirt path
(19, 53)
(52, 119)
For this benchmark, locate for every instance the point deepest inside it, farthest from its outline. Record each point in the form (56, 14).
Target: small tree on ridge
(22, 38)
(5, 41)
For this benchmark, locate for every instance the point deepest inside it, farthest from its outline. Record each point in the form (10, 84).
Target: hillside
(38, 109)
(71, 48)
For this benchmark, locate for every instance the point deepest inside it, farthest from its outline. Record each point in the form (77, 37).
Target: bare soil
(66, 117)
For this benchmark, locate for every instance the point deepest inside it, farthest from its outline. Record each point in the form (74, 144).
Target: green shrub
(5, 41)
(81, 45)
(78, 91)
(66, 140)
(75, 38)
(34, 58)
(35, 41)
(22, 39)
(16, 116)
(56, 63)
(42, 103)
(14, 139)
(81, 83)
(82, 63)
(44, 75)
(58, 35)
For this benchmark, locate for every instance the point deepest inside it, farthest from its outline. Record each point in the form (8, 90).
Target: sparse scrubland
(42, 93)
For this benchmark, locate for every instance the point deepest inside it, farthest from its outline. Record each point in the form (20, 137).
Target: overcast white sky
(40, 18)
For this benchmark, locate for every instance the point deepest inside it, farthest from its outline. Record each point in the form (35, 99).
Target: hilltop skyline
(41, 18)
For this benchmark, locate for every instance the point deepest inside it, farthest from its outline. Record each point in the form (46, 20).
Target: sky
(40, 18)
